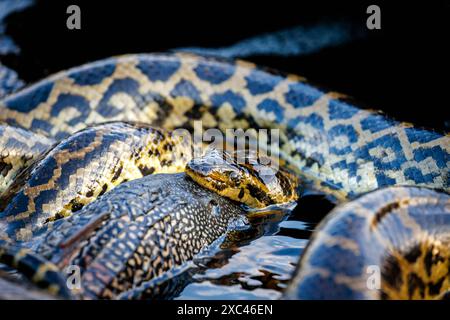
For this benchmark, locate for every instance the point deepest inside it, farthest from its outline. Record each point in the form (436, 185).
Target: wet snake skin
(244, 177)
(140, 232)
(81, 168)
(401, 234)
(18, 148)
(338, 147)
(323, 135)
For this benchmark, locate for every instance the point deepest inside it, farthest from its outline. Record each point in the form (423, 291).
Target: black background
(282, 309)
(402, 69)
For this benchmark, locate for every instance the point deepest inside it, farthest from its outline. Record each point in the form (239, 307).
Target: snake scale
(355, 155)
(166, 223)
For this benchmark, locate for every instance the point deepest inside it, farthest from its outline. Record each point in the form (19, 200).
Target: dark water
(259, 261)
(377, 68)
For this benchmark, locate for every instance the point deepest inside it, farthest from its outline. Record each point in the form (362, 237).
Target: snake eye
(234, 177)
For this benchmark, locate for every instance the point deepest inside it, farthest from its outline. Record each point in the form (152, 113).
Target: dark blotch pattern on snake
(334, 145)
(139, 234)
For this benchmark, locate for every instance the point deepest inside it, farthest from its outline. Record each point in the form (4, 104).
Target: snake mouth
(213, 168)
(208, 179)
(250, 183)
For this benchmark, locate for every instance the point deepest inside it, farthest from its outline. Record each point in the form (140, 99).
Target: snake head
(244, 177)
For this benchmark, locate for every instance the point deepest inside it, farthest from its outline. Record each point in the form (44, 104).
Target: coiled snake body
(137, 236)
(332, 144)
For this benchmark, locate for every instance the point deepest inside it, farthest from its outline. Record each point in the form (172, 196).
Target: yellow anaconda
(246, 178)
(339, 148)
(84, 166)
(138, 235)
(392, 243)
(18, 147)
(134, 237)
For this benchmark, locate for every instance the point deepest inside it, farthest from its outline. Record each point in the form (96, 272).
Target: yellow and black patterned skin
(16, 289)
(41, 272)
(83, 167)
(322, 134)
(18, 148)
(138, 233)
(144, 231)
(401, 234)
(343, 150)
(245, 177)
